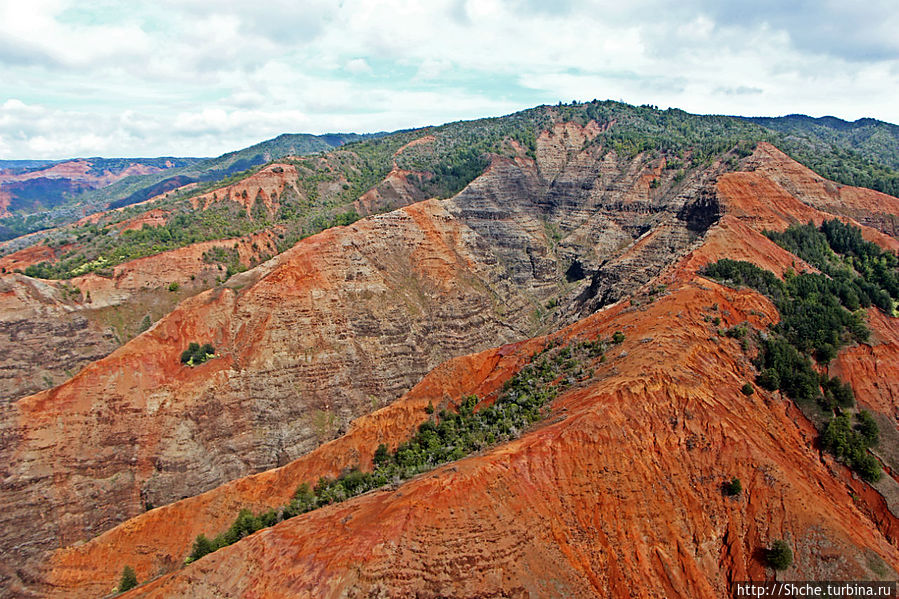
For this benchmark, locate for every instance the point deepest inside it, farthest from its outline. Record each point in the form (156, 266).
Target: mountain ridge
(573, 235)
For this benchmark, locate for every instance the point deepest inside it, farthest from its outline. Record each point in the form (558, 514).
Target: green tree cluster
(815, 322)
(858, 271)
(245, 525)
(197, 354)
(450, 436)
(851, 444)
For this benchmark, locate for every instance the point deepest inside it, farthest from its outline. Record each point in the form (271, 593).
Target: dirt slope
(624, 487)
(619, 492)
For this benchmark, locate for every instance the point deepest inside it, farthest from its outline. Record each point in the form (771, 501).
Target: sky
(200, 78)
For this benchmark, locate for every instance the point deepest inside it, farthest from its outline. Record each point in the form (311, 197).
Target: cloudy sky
(199, 78)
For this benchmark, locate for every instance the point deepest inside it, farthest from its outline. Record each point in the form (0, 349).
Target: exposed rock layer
(342, 323)
(354, 316)
(619, 489)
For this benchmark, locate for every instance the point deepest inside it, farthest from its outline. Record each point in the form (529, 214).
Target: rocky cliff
(50, 330)
(617, 492)
(332, 329)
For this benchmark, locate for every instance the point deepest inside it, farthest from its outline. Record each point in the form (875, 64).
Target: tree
(382, 455)
(190, 352)
(779, 555)
(618, 337)
(129, 579)
(747, 389)
(202, 546)
(732, 487)
(867, 428)
(197, 354)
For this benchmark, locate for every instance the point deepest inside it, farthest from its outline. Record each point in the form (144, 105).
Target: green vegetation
(747, 389)
(851, 444)
(327, 184)
(862, 273)
(779, 556)
(197, 354)
(128, 580)
(862, 153)
(733, 487)
(737, 332)
(226, 258)
(205, 174)
(819, 315)
(815, 317)
(685, 139)
(450, 436)
(245, 525)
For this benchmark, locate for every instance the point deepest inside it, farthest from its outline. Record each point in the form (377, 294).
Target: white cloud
(195, 77)
(358, 66)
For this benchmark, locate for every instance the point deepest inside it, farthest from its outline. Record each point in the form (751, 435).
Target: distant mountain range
(40, 194)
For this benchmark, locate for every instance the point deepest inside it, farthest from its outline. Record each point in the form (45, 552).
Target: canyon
(339, 343)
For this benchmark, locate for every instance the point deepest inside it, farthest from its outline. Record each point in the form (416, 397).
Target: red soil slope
(31, 255)
(341, 318)
(617, 492)
(873, 208)
(873, 367)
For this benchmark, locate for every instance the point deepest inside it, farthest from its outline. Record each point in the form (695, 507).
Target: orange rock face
(872, 208)
(263, 187)
(24, 258)
(873, 368)
(50, 330)
(619, 489)
(150, 218)
(617, 492)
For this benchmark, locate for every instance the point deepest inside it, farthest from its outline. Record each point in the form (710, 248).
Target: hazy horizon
(170, 155)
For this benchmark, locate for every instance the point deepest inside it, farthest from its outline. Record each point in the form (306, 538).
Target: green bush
(737, 332)
(867, 428)
(851, 444)
(618, 337)
(202, 546)
(779, 556)
(747, 389)
(382, 456)
(769, 379)
(732, 487)
(128, 580)
(197, 354)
